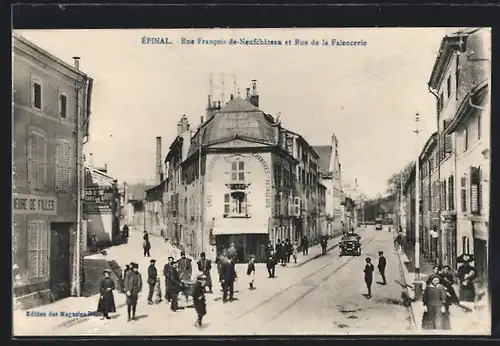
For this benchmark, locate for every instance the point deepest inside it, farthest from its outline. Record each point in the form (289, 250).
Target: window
(466, 139)
(463, 195)
(235, 204)
(475, 194)
(38, 257)
(37, 161)
(448, 86)
(451, 202)
(237, 171)
(63, 165)
(63, 105)
(443, 195)
(36, 94)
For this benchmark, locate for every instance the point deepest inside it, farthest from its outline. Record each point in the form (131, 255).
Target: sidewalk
(475, 322)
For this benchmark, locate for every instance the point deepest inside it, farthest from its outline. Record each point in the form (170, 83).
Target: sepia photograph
(183, 182)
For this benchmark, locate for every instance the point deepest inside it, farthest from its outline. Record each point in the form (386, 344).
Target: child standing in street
(251, 271)
(199, 299)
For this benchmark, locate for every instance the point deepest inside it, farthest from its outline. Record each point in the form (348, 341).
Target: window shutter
(448, 144)
(42, 249)
(32, 160)
(227, 203)
(479, 191)
(474, 187)
(32, 248)
(42, 162)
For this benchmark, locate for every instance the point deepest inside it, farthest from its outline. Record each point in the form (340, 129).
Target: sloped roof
(325, 153)
(237, 119)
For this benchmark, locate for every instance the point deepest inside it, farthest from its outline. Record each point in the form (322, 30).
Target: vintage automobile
(350, 245)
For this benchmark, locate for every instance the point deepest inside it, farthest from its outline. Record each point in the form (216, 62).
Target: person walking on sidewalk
(324, 244)
(200, 304)
(278, 250)
(283, 253)
(185, 268)
(447, 280)
(95, 247)
(305, 246)
(466, 275)
(133, 286)
(382, 263)
(106, 299)
(205, 266)
(295, 252)
(167, 271)
(146, 245)
(369, 268)
(152, 277)
(288, 250)
(271, 262)
(175, 286)
(434, 300)
(251, 271)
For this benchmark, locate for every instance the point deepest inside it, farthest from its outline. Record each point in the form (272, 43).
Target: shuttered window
(474, 190)
(37, 161)
(64, 171)
(38, 251)
(451, 194)
(463, 193)
(443, 195)
(36, 95)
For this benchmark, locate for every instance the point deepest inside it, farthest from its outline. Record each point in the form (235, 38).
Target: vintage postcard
(251, 182)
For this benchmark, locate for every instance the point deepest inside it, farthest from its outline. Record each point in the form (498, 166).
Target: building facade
(241, 177)
(51, 105)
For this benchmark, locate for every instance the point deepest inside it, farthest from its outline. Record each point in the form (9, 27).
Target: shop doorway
(60, 261)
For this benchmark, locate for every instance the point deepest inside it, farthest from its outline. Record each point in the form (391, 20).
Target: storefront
(480, 234)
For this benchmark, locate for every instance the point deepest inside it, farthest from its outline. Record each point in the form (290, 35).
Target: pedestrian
(447, 280)
(175, 286)
(288, 250)
(435, 270)
(167, 271)
(434, 300)
(125, 232)
(397, 242)
(152, 278)
(324, 244)
(106, 299)
(295, 252)
(369, 268)
(305, 245)
(122, 278)
(466, 275)
(232, 253)
(228, 278)
(251, 271)
(269, 249)
(185, 268)
(205, 266)
(95, 247)
(199, 299)
(220, 264)
(146, 245)
(278, 250)
(157, 295)
(382, 263)
(133, 286)
(271, 262)
(283, 253)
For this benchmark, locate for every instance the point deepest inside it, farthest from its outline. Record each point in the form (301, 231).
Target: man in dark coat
(205, 266)
(152, 277)
(175, 287)
(288, 250)
(199, 299)
(382, 263)
(228, 278)
(271, 264)
(167, 271)
(221, 260)
(305, 245)
(466, 275)
(184, 267)
(369, 276)
(146, 245)
(279, 250)
(106, 299)
(133, 286)
(324, 244)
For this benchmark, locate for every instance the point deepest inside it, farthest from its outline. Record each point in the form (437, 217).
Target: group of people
(439, 294)
(370, 268)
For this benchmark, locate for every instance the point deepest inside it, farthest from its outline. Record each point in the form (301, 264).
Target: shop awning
(230, 226)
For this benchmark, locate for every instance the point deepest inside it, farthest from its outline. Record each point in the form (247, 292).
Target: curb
(404, 274)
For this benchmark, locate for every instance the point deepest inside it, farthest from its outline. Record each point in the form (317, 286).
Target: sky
(367, 95)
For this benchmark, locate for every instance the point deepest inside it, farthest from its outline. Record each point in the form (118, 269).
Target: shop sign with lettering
(32, 204)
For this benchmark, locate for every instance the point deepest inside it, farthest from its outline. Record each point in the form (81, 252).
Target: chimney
(76, 62)
(105, 168)
(201, 120)
(179, 128)
(209, 101)
(248, 94)
(91, 160)
(159, 170)
(254, 97)
(231, 97)
(218, 104)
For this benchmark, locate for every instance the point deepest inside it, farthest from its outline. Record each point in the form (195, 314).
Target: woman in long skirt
(106, 299)
(434, 300)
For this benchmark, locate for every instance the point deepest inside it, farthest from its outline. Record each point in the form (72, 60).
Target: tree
(394, 182)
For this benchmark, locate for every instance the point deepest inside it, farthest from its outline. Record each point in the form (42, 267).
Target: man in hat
(382, 263)
(227, 278)
(167, 271)
(175, 286)
(185, 268)
(133, 286)
(204, 266)
(152, 277)
(199, 299)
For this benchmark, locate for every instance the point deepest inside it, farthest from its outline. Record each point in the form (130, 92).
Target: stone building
(51, 103)
(240, 177)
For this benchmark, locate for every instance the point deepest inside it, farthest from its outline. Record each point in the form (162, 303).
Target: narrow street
(323, 296)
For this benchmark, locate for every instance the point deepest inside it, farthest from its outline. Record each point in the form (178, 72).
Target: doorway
(60, 261)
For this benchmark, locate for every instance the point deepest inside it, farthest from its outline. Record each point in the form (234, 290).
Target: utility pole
(417, 199)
